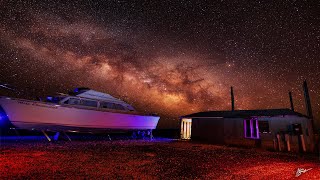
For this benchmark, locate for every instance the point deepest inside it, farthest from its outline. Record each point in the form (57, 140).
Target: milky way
(172, 58)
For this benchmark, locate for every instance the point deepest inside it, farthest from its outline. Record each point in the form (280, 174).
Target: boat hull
(35, 115)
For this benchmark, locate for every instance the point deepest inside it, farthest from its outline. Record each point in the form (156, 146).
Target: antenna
(307, 99)
(232, 99)
(291, 101)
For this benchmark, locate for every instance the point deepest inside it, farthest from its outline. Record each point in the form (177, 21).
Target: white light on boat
(73, 131)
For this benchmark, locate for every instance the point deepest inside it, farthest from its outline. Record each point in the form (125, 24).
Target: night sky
(167, 57)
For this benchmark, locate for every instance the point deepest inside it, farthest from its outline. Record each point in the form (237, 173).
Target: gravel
(145, 159)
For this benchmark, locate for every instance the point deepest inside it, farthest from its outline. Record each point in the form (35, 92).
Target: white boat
(84, 110)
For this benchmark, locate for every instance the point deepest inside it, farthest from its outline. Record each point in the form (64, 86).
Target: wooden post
(275, 144)
(279, 141)
(303, 143)
(287, 137)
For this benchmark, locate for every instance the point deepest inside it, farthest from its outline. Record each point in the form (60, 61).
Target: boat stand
(16, 131)
(65, 134)
(56, 136)
(150, 134)
(46, 135)
(134, 135)
(151, 137)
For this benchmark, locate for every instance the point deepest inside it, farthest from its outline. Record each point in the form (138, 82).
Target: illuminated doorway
(186, 128)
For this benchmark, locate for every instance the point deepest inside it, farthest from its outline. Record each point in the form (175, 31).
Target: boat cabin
(90, 99)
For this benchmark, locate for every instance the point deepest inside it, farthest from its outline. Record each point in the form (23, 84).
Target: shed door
(186, 128)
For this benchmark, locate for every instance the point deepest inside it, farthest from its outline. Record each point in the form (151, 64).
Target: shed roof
(246, 113)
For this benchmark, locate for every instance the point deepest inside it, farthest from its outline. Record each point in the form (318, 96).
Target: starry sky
(167, 57)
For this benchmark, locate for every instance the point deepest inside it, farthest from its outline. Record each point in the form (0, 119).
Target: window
(89, 103)
(297, 129)
(107, 105)
(119, 107)
(53, 99)
(130, 108)
(263, 127)
(73, 101)
(251, 129)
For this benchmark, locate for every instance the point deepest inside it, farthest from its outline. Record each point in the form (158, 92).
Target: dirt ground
(143, 159)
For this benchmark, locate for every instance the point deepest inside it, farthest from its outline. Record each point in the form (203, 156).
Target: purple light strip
(245, 128)
(251, 127)
(257, 127)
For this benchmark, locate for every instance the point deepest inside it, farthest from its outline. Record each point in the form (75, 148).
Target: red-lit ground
(158, 159)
